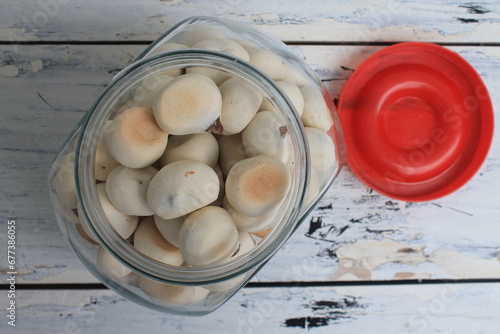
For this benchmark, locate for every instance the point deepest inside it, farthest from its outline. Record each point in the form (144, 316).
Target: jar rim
(85, 181)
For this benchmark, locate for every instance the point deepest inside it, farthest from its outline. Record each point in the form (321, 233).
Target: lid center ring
(408, 122)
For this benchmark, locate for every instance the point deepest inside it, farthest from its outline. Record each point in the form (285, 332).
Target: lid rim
(439, 176)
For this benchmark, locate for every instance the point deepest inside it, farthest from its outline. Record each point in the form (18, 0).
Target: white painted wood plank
(354, 234)
(460, 308)
(325, 21)
(369, 236)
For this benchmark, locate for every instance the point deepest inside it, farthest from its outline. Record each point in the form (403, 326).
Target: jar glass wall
(220, 50)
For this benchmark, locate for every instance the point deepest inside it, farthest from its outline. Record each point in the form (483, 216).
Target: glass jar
(219, 49)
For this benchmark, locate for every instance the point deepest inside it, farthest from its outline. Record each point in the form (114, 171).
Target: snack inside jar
(195, 165)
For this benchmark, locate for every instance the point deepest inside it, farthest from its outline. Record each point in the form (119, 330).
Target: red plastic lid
(418, 121)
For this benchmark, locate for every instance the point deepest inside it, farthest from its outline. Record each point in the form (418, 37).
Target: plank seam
(290, 43)
(98, 286)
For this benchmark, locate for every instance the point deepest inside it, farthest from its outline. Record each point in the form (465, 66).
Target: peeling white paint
(355, 20)
(78, 298)
(36, 65)
(424, 293)
(171, 2)
(78, 74)
(73, 275)
(411, 276)
(463, 266)
(9, 71)
(21, 271)
(361, 258)
(358, 261)
(465, 308)
(415, 242)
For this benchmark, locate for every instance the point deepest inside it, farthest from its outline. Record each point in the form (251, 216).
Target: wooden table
(360, 262)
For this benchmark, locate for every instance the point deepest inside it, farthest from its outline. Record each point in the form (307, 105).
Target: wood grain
(439, 308)
(353, 234)
(318, 21)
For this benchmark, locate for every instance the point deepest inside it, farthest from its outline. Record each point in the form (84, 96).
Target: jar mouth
(104, 108)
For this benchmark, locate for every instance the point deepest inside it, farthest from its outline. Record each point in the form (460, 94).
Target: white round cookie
(257, 186)
(149, 241)
(208, 237)
(202, 147)
(170, 228)
(240, 102)
(316, 112)
(190, 103)
(124, 224)
(182, 187)
(231, 150)
(322, 150)
(267, 134)
(127, 189)
(135, 139)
